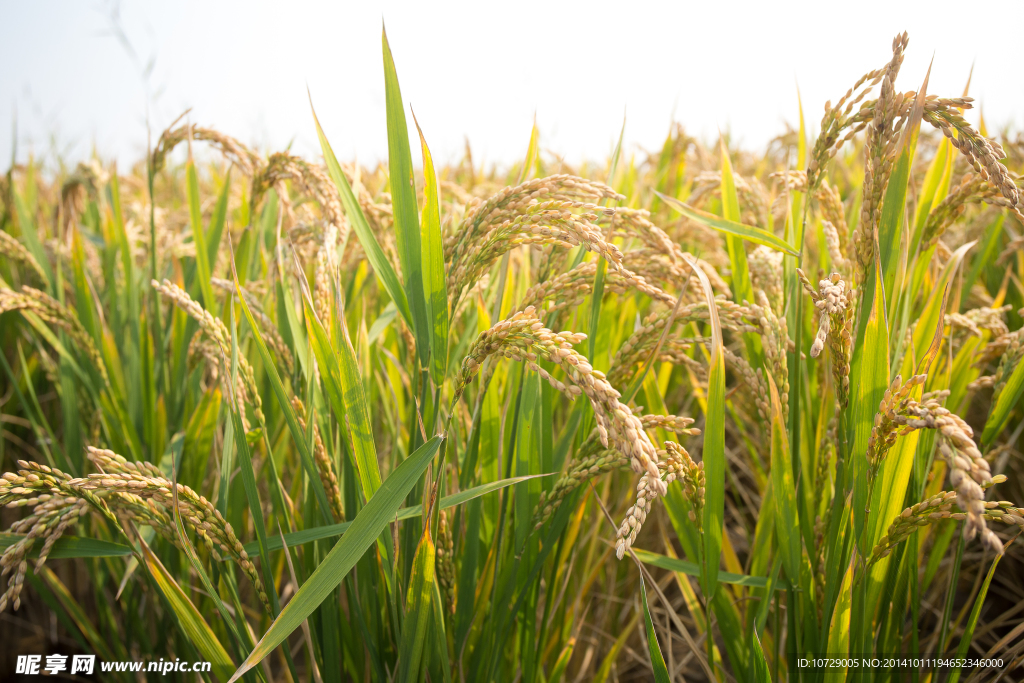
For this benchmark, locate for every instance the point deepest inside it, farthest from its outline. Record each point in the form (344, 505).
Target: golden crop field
(702, 414)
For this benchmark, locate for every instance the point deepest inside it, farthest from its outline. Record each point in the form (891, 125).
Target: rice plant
(699, 414)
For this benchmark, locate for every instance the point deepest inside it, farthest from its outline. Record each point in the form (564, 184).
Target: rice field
(697, 414)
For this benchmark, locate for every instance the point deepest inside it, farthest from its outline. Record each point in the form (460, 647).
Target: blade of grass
(434, 277)
(761, 674)
(70, 547)
(374, 254)
(298, 436)
(731, 228)
(676, 565)
(412, 658)
(742, 289)
(714, 447)
(972, 621)
(839, 630)
(297, 538)
(403, 203)
(1005, 402)
(366, 527)
(654, 649)
(198, 234)
(345, 391)
(248, 472)
(189, 618)
(787, 525)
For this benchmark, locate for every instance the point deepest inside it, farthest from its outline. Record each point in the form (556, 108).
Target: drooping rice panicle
(523, 337)
(835, 318)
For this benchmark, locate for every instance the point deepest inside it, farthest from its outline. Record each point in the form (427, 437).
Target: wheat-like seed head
(677, 464)
(215, 329)
(886, 427)
(146, 481)
(968, 470)
(445, 561)
(938, 507)
(523, 337)
(55, 313)
(324, 465)
(14, 250)
(239, 154)
(835, 320)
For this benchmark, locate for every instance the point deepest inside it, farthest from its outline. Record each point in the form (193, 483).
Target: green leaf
(374, 254)
(930, 188)
(218, 220)
(100, 644)
(839, 629)
(297, 538)
(434, 277)
(714, 447)
(247, 471)
(199, 236)
(657, 660)
(890, 224)
(366, 527)
(30, 237)
(403, 203)
(761, 674)
(298, 434)
(972, 621)
(742, 289)
(869, 378)
(439, 634)
(418, 612)
(558, 670)
(676, 565)
(190, 620)
(747, 232)
(69, 547)
(787, 521)
(344, 387)
(1004, 404)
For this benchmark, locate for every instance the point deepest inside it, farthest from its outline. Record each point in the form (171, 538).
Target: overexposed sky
(473, 70)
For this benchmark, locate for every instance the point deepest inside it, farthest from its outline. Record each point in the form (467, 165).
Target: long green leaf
(199, 235)
(248, 472)
(1005, 402)
(677, 565)
(434, 277)
(761, 674)
(972, 621)
(787, 522)
(403, 203)
(742, 289)
(870, 377)
(653, 648)
(297, 538)
(412, 658)
(839, 630)
(69, 547)
(342, 381)
(298, 435)
(191, 621)
(374, 254)
(218, 220)
(366, 527)
(714, 446)
(746, 232)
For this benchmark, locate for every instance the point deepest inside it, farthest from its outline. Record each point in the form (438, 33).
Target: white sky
(474, 69)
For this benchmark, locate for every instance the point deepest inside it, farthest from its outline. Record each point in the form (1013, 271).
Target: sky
(88, 76)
